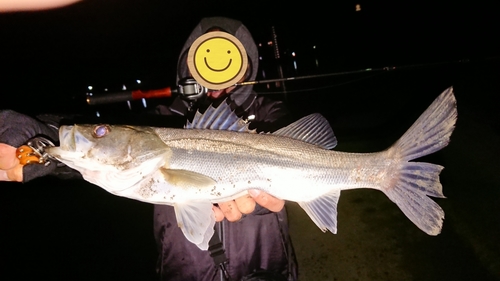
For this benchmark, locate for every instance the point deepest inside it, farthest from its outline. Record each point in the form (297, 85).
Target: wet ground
(71, 230)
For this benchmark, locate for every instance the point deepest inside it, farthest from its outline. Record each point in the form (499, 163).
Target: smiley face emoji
(217, 60)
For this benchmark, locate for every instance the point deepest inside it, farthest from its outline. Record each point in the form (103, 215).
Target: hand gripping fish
(216, 158)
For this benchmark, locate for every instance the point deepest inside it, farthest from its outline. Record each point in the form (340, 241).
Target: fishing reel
(190, 90)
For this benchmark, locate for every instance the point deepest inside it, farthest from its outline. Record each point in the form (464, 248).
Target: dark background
(71, 230)
(62, 51)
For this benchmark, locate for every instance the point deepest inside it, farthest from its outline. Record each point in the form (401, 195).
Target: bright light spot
(138, 81)
(90, 88)
(260, 44)
(260, 58)
(314, 47)
(124, 87)
(293, 54)
(23, 5)
(358, 7)
(270, 43)
(129, 105)
(105, 89)
(98, 114)
(295, 65)
(144, 103)
(251, 117)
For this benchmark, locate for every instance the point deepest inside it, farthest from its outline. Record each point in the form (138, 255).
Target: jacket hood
(235, 28)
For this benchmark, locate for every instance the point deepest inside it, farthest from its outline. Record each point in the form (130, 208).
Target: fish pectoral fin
(196, 220)
(186, 179)
(323, 210)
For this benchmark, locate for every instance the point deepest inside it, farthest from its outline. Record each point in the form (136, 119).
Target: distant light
(124, 87)
(293, 54)
(138, 81)
(260, 57)
(144, 103)
(270, 43)
(129, 105)
(295, 65)
(90, 88)
(260, 44)
(314, 47)
(358, 7)
(98, 114)
(105, 89)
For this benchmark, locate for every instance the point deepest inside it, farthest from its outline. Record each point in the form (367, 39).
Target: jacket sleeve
(16, 129)
(269, 115)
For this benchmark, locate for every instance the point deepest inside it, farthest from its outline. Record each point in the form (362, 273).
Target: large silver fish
(217, 158)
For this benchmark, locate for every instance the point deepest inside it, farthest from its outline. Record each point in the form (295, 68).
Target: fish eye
(100, 131)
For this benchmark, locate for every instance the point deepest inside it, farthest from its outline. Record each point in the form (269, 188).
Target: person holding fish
(258, 239)
(251, 240)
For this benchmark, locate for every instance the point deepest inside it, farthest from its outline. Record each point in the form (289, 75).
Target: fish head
(107, 146)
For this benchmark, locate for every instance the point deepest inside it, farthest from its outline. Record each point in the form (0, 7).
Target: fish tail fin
(413, 182)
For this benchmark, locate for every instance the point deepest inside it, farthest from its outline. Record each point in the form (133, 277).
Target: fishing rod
(188, 88)
(191, 90)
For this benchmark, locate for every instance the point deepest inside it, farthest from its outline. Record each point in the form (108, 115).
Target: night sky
(59, 52)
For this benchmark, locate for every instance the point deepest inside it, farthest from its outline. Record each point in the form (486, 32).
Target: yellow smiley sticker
(217, 60)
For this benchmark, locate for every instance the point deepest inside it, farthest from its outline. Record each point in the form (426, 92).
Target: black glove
(16, 129)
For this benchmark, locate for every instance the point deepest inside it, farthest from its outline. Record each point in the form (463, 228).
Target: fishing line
(381, 70)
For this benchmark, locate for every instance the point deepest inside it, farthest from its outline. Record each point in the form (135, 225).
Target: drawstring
(217, 252)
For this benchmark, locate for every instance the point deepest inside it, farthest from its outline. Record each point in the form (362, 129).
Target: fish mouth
(67, 138)
(66, 142)
(71, 143)
(72, 140)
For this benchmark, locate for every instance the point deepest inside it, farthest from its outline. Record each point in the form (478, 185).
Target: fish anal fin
(323, 210)
(196, 220)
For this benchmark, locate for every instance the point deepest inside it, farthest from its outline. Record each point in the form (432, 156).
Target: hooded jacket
(243, 98)
(238, 30)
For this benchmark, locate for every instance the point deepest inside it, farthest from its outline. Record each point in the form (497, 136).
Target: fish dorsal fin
(313, 129)
(219, 118)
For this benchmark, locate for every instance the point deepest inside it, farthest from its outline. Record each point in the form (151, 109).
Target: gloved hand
(15, 130)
